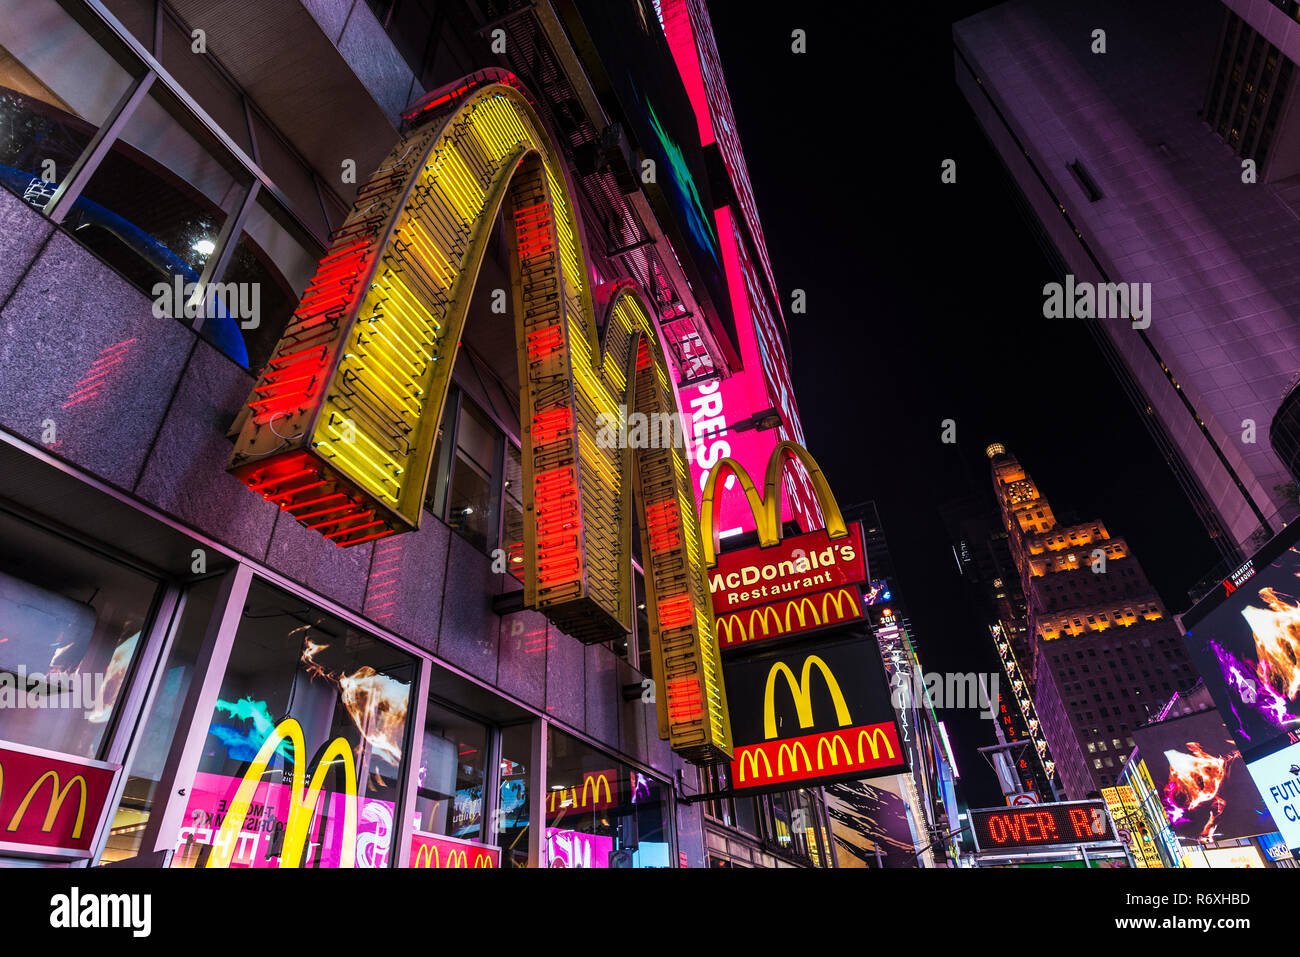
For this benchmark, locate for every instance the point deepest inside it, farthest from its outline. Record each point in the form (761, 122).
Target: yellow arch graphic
(767, 508)
(802, 694)
(341, 426)
(302, 805)
(57, 797)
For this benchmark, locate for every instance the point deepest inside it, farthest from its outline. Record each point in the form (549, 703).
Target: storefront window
(511, 826)
(58, 85)
(70, 629)
(453, 761)
(146, 768)
(307, 701)
(600, 812)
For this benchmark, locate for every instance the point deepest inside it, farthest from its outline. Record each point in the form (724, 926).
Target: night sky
(925, 303)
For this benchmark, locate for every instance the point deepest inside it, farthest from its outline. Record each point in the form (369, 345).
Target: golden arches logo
(833, 744)
(802, 694)
(57, 796)
(870, 740)
(361, 375)
(749, 760)
(792, 751)
(766, 508)
(739, 627)
(598, 781)
(303, 804)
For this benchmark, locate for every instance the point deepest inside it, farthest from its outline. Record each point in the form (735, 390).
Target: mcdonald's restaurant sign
(51, 804)
(434, 850)
(812, 712)
(598, 792)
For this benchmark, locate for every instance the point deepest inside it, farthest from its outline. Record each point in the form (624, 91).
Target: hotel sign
(812, 713)
(51, 804)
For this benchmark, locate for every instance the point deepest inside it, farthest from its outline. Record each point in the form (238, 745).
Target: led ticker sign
(1039, 825)
(340, 428)
(810, 713)
(50, 804)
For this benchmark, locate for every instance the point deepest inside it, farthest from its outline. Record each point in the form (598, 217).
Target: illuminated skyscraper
(1104, 650)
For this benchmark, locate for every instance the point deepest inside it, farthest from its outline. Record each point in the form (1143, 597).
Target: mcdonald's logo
(766, 509)
(802, 694)
(599, 782)
(597, 793)
(51, 803)
(767, 621)
(57, 797)
(877, 751)
(436, 851)
(303, 802)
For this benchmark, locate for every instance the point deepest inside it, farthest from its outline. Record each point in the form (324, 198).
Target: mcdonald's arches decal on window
(434, 850)
(50, 803)
(812, 713)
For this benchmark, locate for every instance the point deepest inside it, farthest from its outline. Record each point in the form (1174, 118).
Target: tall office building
(1126, 127)
(1105, 653)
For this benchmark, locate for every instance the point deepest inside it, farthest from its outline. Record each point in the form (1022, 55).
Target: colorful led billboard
(870, 824)
(1201, 779)
(1277, 778)
(1245, 640)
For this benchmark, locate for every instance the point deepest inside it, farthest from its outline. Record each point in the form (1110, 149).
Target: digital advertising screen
(1201, 779)
(1040, 825)
(1244, 638)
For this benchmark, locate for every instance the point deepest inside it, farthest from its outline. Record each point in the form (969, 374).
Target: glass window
(644, 660)
(137, 16)
(305, 698)
(475, 479)
(198, 75)
(155, 206)
(271, 264)
(453, 759)
(600, 812)
(511, 825)
(436, 499)
(58, 85)
(159, 729)
(70, 627)
(290, 174)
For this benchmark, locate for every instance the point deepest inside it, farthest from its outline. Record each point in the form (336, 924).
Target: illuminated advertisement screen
(812, 712)
(1245, 639)
(636, 67)
(1277, 778)
(869, 821)
(1201, 779)
(1040, 825)
(878, 592)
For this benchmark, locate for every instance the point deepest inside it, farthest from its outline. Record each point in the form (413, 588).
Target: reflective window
(70, 628)
(155, 206)
(58, 85)
(512, 536)
(510, 829)
(601, 812)
(453, 761)
(306, 701)
(270, 266)
(159, 728)
(473, 504)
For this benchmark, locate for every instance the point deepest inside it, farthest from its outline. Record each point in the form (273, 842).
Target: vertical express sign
(812, 713)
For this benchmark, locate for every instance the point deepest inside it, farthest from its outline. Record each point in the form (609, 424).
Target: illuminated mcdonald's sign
(792, 617)
(599, 791)
(435, 850)
(51, 803)
(811, 713)
(340, 427)
(303, 802)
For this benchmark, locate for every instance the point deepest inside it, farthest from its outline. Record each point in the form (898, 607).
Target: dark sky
(924, 304)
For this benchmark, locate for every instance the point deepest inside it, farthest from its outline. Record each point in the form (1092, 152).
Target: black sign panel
(1041, 825)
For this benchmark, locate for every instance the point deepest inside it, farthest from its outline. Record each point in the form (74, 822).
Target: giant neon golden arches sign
(341, 426)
